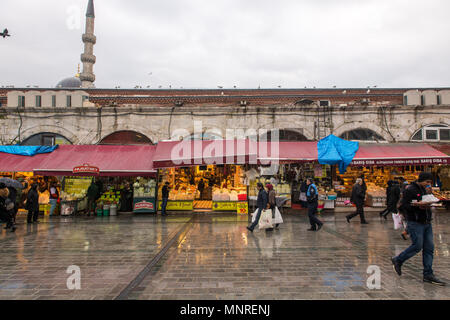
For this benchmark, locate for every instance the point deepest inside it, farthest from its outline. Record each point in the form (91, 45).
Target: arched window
(435, 132)
(46, 139)
(362, 135)
(284, 135)
(125, 138)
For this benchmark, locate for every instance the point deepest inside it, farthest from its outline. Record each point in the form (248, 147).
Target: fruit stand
(73, 196)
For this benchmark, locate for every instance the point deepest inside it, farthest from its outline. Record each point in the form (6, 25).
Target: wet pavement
(213, 256)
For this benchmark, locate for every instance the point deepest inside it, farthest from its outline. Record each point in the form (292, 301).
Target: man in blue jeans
(165, 198)
(262, 204)
(418, 216)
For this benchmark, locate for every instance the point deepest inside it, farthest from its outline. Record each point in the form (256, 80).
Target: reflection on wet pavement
(217, 258)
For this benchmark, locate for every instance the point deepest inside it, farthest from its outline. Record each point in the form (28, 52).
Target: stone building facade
(383, 115)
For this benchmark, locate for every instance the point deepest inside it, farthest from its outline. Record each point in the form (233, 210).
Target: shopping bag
(278, 219)
(254, 215)
(397, 220)
(265, 221)
(303, 196)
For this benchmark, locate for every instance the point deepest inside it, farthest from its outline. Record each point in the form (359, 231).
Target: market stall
(20, 168)
(204, 175)
(380, 163)
(113, 167)
(223, 188)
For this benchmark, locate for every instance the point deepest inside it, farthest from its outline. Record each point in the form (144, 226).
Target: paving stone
(218, 259)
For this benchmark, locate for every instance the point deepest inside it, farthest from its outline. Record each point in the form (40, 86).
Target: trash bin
(113, 210)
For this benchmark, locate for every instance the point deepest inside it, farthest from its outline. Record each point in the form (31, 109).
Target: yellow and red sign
(242, 207)
(178, 205)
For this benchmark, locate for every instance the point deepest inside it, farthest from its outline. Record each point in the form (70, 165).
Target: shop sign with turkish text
(86, 168)
(400, 162)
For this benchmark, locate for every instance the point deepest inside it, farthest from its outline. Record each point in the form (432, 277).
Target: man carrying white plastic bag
(262, 203)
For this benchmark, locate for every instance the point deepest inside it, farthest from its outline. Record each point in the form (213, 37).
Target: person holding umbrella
(13, 186)
(6, 207)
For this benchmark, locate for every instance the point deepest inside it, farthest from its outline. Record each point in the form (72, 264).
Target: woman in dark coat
(33, 204)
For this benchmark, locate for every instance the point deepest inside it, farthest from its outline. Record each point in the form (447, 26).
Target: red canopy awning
(442, 147)
(287, 152)
(399, 154)
(17, 163)
(196, 152)
(102, 160)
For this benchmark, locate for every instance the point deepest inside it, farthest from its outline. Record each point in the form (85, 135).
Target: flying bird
(5, 33)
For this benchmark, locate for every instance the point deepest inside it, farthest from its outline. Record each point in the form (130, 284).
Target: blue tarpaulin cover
(334, 150)
(27, 150)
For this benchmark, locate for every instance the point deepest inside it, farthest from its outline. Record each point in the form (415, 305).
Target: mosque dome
(72, 82)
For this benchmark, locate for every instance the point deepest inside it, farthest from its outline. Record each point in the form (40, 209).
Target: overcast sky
(243, 43)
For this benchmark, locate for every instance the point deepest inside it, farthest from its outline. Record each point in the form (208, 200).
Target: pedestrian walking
(388, 194)
(272, 202)
(393, 197)
(6, 208)
(418, 216)
(33, 204)
(165, 198)
(54, 196)
(312, 196)
(358, 197)
(262, 202)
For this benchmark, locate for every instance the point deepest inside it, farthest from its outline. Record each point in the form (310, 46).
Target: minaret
(87, 77)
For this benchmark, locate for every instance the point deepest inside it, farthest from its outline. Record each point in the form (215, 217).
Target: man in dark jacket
(358, 196)
(262, 202)
(385, 212)
(394, 197)
(165, 198)
(418, 216)
(33, 204)
(312, 196)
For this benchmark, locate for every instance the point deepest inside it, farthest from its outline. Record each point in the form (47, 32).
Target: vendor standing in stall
(201, 188)
(92, 194)
(127, 196)
(165, 198)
